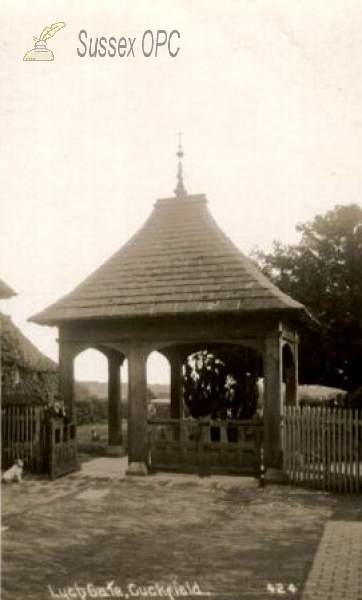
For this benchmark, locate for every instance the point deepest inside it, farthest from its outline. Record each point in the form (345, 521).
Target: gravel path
(231, 538)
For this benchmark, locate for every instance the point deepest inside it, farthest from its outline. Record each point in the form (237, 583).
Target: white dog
(15, 472)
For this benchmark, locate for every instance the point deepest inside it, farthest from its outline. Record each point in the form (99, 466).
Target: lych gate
(179, 284)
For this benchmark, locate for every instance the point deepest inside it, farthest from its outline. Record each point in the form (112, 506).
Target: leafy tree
(353, 400)
(221, 383)
(324, 272)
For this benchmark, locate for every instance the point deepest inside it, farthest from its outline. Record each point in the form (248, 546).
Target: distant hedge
(95, 411)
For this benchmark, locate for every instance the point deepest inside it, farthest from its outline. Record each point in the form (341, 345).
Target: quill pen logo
(40, 50)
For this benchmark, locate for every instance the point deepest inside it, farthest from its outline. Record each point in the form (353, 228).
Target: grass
(86, 443)
(84, 432)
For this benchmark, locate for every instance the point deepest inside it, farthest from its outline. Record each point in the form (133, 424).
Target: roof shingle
(180, 261)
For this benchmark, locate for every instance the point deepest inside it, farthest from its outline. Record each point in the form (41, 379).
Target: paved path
(336, 573)
(104, 467)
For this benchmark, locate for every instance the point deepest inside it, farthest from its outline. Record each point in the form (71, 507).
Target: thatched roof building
(5, 290)
(24, 369)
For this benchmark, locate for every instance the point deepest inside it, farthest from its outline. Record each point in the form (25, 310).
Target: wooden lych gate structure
(177, 287)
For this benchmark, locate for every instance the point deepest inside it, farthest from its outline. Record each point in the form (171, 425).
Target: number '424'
(281, 588)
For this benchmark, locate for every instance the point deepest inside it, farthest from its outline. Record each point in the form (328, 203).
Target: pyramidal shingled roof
(180, 262)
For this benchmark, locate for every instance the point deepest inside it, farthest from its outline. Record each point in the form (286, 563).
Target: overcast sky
(268, 95)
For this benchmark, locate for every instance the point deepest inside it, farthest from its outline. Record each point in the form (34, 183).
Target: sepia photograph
(181, 299)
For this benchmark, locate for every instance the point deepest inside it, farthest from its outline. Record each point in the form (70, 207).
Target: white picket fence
(322, 448)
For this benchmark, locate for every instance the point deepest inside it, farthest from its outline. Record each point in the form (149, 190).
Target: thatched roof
(17, 349)
(179, 262)
(5, 290)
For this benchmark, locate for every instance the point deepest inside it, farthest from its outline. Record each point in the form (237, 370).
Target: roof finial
(180, 190)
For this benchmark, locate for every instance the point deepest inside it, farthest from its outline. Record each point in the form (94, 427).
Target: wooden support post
(177, 400)
(291, 383)
(66, 377)
(137, 406)
(296, 374)
(114, 405)
(273, 406)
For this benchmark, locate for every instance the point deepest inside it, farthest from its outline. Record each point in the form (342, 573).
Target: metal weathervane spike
(180, 190)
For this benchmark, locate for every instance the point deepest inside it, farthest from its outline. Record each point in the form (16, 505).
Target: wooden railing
(323, 448)
(206, 445)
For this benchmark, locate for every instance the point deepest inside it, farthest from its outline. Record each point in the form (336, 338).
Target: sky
(268, 96)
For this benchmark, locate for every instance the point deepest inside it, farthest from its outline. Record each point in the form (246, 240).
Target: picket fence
(322, 448)
(46, 445)
(22, 436)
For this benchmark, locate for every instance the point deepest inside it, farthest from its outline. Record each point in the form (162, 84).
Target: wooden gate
(61, 448)
(206, 446)
(323, 448)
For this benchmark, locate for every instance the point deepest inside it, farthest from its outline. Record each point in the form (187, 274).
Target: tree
(221, 383)
(324, 272)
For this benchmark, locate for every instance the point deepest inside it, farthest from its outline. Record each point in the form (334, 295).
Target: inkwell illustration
(40, 50)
